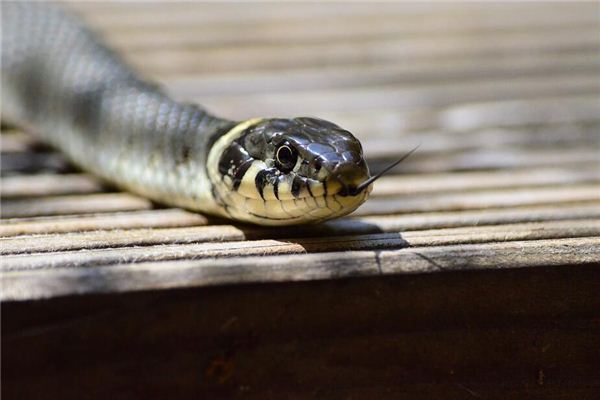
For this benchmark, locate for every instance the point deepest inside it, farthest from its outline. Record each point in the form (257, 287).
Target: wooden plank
(131, 15)
(23, 285)
(225, 233)
(577, 114)
(120, 238)
(173, 14)
(389, 223)
(293, 56)
(480, 199)
(345, 76)
(420, 95)
(210, 15)
(15, 141)
(49, 185)
(150, 37)
(73, 204)
(363, 225)
(477, 180)
(107, 221)
(446, 147)
(548, 111)
(380, 156)
(103, 250)
(471, 334)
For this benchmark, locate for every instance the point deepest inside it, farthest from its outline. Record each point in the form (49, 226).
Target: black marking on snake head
(309, 190)
(276, 189)
(297, 183)
(234, 162)
(239, 173)
(264, 177)
(260, 181)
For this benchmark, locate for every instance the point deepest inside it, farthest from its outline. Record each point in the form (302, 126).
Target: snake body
(61, 82)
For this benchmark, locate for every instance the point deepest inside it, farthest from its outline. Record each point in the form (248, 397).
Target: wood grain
(28, 283)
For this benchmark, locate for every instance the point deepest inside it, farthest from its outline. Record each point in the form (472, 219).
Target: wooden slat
(122, 220)
(98, 255)
(152, 237)
(502, 158)
(519, 254)
(48, 185)
(134, 15)
(150, 37)
(355, 225)
(293, 56)
(14, 141)
(439, 94)
(201, 19)
(508, 131)
(557, 114)
(73, 204)
(460, 68)
(481, 199)
(173, 14)
(476, 180)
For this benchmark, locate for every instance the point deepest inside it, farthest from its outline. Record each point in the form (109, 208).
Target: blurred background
(481, 85)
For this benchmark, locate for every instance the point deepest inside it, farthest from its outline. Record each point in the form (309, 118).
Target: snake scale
(61, 82)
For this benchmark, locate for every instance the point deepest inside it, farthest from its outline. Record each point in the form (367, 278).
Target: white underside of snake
(60, 82)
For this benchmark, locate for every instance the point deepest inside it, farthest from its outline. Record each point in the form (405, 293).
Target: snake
(60, 81)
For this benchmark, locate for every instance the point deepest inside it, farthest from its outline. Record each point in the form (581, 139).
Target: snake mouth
(352, 183)
(348, 190)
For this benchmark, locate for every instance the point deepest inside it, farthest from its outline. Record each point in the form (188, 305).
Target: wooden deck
(474, 265)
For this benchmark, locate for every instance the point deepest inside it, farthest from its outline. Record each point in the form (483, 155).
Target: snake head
(289, 171)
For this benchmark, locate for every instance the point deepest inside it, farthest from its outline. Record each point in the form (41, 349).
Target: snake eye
(286, 157)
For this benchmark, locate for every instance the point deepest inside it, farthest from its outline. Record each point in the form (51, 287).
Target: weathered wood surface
(471, 272)
(509, 131)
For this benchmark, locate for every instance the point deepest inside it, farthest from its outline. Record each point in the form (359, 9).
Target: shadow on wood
(449, 335)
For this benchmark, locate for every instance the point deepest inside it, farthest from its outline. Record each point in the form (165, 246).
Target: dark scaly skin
(60, 82)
